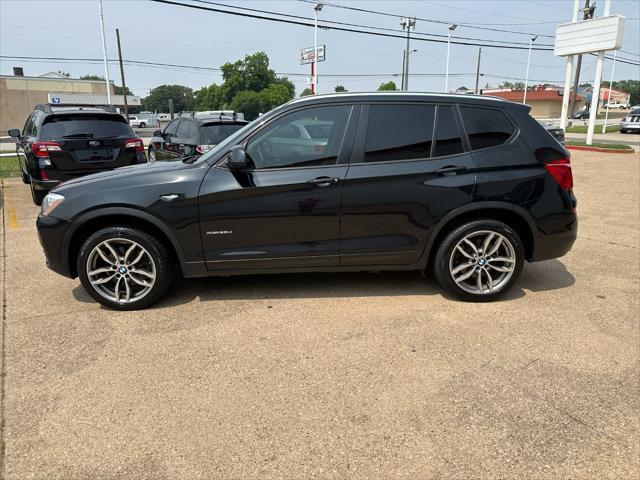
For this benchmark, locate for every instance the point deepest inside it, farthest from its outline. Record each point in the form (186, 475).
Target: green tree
(247, 102)
(208, 98)
(158, 98)
(249, 74)
(391, 85)
(291, 88)
(340, 88)
(305, 93)
(274, 95)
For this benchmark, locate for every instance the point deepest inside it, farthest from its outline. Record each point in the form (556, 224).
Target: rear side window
(399, 132)
(88, 126)
(172, 128)
(485, 127)
(186, 129)
(448, 139)
(213, 134)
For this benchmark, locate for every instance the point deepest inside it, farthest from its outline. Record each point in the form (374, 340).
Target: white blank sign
(595, 35)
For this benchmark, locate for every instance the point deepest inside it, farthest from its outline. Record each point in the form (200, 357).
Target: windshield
(95, 126)
(214, 133)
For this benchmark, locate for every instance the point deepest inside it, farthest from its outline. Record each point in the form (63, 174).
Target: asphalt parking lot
(333, 376)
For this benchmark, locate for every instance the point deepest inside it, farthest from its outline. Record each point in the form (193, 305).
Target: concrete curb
(597, 149)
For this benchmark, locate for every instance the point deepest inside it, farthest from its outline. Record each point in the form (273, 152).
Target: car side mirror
(14, 132)
(157, 133)
(237, 158)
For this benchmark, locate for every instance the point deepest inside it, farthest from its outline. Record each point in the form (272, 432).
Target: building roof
(532, 96)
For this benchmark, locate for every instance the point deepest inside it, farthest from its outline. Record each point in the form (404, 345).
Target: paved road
(333, 376)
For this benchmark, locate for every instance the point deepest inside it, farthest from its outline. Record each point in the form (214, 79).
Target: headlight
(50, 203)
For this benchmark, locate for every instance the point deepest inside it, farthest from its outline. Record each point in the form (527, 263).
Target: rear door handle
(451, 169)
(323, 181)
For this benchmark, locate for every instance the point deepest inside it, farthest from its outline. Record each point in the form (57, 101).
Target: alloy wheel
(121, 270)
(482, 262)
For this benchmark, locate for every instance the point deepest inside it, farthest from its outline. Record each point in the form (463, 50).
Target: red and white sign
(307, 55)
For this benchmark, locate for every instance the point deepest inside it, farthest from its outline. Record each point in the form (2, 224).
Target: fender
(131, 212)
(452, 215)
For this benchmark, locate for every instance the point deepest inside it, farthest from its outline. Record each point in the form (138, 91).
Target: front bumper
(630, 125)
(51, 234)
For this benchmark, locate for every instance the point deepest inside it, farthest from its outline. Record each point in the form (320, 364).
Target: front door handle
(323, 181)
(451, 169)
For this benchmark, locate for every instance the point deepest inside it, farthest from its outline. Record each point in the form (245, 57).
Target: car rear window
(214, 133)
(486, 127)
(98, 126)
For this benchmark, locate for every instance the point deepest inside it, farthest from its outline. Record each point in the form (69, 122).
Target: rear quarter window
(486, 127)
(212, 134)
(98, 126)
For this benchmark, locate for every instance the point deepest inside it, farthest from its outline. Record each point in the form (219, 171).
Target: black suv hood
(116, 174)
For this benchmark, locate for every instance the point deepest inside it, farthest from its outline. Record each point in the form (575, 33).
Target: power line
(342, 29)
(360, 25)
(430, 20)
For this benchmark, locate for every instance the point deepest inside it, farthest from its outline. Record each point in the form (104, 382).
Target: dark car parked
(470, 187)
(189, 135)
(58, 144)
(581, 115)
(557, 133)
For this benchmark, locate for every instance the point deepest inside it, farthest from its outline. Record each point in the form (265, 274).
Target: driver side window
(305, 138)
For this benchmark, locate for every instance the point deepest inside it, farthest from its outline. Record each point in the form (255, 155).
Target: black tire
(25, 177)
(37, 195)
(151, 152)
(143, 125)
(158, 252)
(445, 250)
(623, 131)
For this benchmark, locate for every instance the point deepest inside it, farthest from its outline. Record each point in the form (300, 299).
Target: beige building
(543, 103)
(19, 94)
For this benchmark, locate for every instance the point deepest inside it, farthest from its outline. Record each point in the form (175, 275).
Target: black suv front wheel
(124, 268)
(479, 261)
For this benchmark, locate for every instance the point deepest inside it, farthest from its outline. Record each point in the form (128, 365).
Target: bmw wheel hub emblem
(482, 261)
(122, 270)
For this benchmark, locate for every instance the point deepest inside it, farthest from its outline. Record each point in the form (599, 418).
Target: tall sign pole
(104, 53)
(606, 115)
(567, 75)
(595, 96)
(407, 23)
(314, 64)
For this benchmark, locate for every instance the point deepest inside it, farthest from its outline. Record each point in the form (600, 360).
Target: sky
(161, 33)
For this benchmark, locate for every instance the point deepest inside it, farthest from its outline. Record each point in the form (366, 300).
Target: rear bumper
(44, 185)
(556, 242)
(51, 234)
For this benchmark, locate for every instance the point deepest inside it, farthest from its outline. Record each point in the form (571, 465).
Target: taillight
(560, 170)
(204, 148)
(42, 149)
(134, 143)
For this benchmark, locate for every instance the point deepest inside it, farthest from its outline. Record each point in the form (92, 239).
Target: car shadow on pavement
(536, 277)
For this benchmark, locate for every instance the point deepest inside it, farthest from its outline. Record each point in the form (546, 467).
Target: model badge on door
(220, 232)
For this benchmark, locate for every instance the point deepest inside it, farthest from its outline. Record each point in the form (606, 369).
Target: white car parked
(135, 121)
(619, 105)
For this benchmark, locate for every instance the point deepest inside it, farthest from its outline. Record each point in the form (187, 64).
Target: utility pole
(124, 85)
(104, 54)
(588, 12)
(407, 23)
(446, 74)
(477, 91)
(314, 64)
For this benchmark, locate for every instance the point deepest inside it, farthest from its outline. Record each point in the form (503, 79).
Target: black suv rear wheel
(124, 268)
(480, 260)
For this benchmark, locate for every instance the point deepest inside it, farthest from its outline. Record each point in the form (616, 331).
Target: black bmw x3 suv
(60, 143)
(470, 187)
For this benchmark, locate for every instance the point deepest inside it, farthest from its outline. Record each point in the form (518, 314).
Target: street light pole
(104, 53)
(407, 23)
(314, 64)
(446, 75)
(526, 78)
